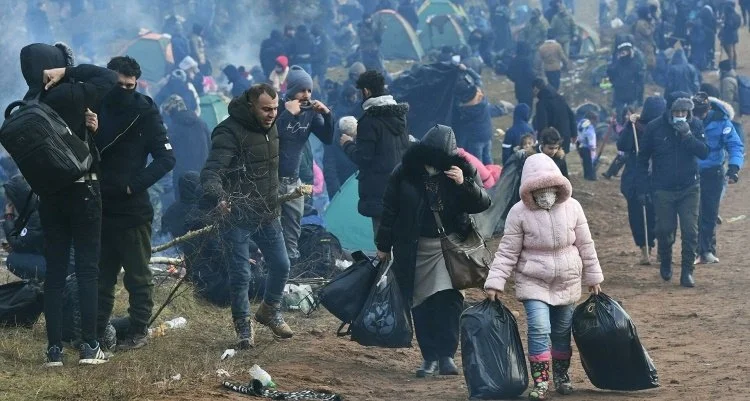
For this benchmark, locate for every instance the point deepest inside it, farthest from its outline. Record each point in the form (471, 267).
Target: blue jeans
(481, 150)
(270, 240)
(547, 322)
(27, 266)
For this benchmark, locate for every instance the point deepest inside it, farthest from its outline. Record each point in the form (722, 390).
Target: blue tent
(353, 230)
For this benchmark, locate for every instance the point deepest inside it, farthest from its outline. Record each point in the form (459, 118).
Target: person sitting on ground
(23, 231)
(549, 269)
(550, 144)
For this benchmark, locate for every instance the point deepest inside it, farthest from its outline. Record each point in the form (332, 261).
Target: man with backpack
(73, 214)
(130, 131)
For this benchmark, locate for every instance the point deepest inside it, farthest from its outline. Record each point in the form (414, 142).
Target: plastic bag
(345, 295)
(384, 320)
(492, 351)
(21, 303)
(611, 353)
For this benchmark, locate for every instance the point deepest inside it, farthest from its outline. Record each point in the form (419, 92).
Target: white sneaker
(709, 259)
(91, 356)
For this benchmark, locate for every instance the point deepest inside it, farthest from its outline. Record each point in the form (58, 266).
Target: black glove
(683, 129)
(733, 173)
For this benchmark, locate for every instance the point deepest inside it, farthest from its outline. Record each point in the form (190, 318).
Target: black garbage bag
(345, 295)
(611, 353)
(21, 303)
(385, 320)
(492, 351)
(318, 252)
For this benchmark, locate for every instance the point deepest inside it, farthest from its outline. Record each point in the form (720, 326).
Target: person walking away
(474, 123)
(131, 130)
(552, 110)
(728, 85)
(729, 34)
(382, 140)
(189, 136)
(682, 76)
(554, 59)
(241, 184)
(643, 36)
(700, 42)
(550, 144)
(627, 77)
(520, 127)
(431, 179)
(587, 145)
(725, 147)
(708, 17)
(643, 236)
(72, 216)
(522, 72)
(549, 269)
(500, 20)
(671, 146)
(279, 74)
(301, 116)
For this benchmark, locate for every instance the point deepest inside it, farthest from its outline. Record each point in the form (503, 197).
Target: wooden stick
(159, 260)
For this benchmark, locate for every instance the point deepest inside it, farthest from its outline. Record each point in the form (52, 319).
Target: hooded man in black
(74, 214)
(552, 110)
(672, 145)
(131, 130)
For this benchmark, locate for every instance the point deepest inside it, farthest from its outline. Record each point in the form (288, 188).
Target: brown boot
(270, 316)
(645, 256)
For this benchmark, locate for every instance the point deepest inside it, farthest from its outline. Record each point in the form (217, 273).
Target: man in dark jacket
(627, 77)
(473, 123)
(520, 127)
(241, 184)
(189, 136)
(23, 231)
(671, 146)
(553, 111)
(301, 117)
(303, 47)
(521, 72)
(72, 215)
(131, 130)
(270, 49)
(681, 75)
(653, 108)
(321, 52)
(382, 140)
(239, 83)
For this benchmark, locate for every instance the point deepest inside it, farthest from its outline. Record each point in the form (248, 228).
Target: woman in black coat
(431, 177)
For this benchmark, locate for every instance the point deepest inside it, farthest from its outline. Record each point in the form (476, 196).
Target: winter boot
(560, 376)
(540, 374)
(645, 256)
(428, 368)
(666, 265)
(448, 367)
(686, 277)
(270, 316)
(245, 335)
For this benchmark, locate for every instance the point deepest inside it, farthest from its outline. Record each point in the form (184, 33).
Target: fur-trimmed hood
(390, 110)
(438, 150)
(724, 107)
(540, 171)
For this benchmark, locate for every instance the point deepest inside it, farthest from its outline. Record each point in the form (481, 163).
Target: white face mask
(545, 199)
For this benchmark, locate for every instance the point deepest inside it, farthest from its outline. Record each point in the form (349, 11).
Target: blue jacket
(681, 76)
(473, 123)
(520, 127)
(721, 138)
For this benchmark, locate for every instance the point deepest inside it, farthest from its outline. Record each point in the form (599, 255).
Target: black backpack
(21, 303)
(48, 154)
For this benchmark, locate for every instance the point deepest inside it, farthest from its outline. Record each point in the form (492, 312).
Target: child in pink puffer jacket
(548, 244)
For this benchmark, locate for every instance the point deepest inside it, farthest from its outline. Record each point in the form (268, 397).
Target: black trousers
(589, 172)
(635, 217)
(73, 215)
(712, 185)
(129, 249)
(436, 322)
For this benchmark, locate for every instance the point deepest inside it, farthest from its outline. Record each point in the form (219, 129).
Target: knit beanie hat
(297, 81)
(357, 69)
(174, 104)
(282, 61)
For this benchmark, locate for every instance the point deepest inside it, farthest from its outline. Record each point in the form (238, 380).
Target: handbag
(467, 259)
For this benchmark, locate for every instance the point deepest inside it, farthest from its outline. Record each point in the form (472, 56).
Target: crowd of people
(288, 124)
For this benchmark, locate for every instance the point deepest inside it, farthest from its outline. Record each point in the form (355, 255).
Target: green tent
(154, 54)
(344, 221)
(400, 42)
(442, 30)
(213, 110)
(590, 41)
(438, 7)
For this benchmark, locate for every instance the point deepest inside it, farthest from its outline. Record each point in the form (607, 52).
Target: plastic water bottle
(176, 323)
(262, 376)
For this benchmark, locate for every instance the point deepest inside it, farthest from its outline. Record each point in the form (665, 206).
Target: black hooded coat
(28, 238)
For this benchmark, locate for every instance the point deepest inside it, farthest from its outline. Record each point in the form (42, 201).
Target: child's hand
(493, 295)
(596, 289)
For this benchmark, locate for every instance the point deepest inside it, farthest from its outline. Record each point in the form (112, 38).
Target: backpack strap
(23, 217)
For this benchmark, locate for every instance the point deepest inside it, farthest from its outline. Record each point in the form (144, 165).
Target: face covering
(545, 198)
(678, 119)
(119, 96)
